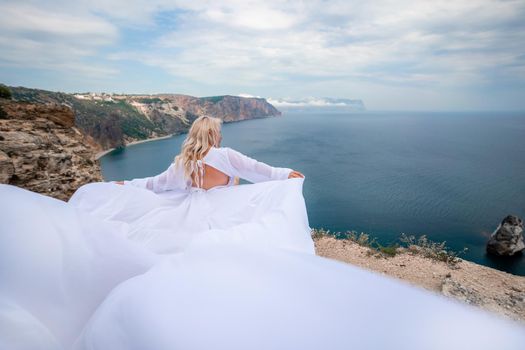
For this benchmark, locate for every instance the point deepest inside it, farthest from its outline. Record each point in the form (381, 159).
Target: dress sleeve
(252, 170)
(169, 179)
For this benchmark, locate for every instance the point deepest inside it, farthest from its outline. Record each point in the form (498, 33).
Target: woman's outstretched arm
(255, 171)
(167, 180)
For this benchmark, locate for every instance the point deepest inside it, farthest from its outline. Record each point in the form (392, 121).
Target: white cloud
(252, 15)
(367, 35)
(38, 38)
(25, 20)
(314, 102)
(248, 95)
(323, 48)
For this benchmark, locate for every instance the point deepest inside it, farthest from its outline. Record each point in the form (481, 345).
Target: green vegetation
(390, 250)
(5, 92)
(41, 96)
(405, 244)
(434, 250)
(132, 122)
(213, 99)
(149, 100)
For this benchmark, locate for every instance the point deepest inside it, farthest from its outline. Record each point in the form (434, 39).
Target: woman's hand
(295, 174)
(119, 182)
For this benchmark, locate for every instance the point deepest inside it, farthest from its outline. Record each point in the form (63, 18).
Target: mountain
(318, 104)
(113, 120)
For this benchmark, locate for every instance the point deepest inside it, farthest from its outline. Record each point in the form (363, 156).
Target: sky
(394, 55)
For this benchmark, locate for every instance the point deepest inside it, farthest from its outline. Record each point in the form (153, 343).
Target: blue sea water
(450, 176)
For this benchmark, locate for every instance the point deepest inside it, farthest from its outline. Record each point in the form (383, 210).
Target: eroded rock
(41, 150)
(453, 288)
(507, 240)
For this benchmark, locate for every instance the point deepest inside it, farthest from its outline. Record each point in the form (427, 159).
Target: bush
(421, 245)
(5, 92)
(149, 100)
(390, 250)
(437, 251)
(213, 99)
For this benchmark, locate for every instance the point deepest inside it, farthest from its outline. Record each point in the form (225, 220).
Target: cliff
(228, 108)
(114, 120)
(42, 150)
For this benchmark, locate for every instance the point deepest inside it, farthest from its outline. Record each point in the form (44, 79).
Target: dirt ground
(475, 284)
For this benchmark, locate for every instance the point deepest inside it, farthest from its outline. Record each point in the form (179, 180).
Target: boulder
(507, 240)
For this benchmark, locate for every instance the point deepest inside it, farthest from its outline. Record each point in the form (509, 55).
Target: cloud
(316, 102)
(28, 20)
(36, 38)
(422, 39)
(248, 96)
(249, 15)
(316, 48)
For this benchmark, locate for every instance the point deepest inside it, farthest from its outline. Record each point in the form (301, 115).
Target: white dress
(157, 264)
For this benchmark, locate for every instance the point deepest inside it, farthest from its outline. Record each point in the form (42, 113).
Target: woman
(195, 196)
(217, 170)
(184, 260)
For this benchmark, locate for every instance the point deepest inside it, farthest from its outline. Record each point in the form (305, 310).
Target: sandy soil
(103, 153)
(475, 284)
(148, 140)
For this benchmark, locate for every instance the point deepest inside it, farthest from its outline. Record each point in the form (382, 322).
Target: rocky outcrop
(453, 288)
(507, 240)
(41, 149)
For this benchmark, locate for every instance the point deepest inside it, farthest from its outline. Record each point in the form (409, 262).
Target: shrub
(5, 92)
(390, 250)
(434, 250)
(149, 100)
(421, 245)
(213, 99)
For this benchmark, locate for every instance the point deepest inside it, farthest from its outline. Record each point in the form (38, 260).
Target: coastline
(103, 153)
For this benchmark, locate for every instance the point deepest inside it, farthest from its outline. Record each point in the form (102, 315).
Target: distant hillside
(114, 120)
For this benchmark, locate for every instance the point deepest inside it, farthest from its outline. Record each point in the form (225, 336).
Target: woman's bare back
(212, 178)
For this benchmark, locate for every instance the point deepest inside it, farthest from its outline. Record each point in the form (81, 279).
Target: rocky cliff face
(114, 120)
(42, 150)
(228, 108)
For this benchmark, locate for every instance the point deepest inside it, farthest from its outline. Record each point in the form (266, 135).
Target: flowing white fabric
(157, 264)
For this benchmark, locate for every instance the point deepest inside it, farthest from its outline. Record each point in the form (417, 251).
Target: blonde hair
(203, 134)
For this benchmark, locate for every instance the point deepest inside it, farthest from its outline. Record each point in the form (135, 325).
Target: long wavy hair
(204, 133)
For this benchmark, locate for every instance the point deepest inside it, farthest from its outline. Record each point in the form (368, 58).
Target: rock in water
(507, 240)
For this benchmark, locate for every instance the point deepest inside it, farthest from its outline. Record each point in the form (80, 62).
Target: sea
(449, 176)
